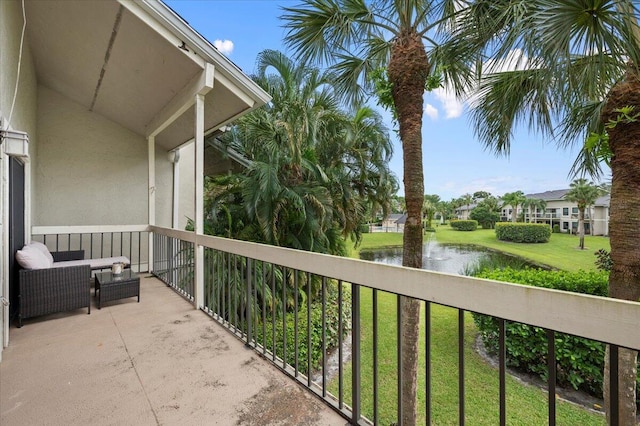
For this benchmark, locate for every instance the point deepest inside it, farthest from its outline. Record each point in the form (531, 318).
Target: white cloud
(224, 46)
(453, 107)
(431, 111)
(514, 60)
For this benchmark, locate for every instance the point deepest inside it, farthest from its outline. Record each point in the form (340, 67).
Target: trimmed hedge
(580, 361)
(523, 232)
(464, 225)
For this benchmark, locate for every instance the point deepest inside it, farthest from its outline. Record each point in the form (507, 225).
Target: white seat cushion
(102, 263)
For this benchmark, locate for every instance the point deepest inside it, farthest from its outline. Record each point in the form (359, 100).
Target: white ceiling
(70, 41)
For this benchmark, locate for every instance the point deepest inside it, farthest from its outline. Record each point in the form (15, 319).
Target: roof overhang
(138, 64)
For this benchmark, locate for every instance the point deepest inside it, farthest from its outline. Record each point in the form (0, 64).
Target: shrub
(485, 217)
(523, 232)
(364, 228)
(431, 229)
(580, 361)
(331, 329)
(464, 225)
(556, 229)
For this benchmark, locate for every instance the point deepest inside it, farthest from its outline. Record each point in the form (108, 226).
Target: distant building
(394, 222)
(564, 213)
(464, 212)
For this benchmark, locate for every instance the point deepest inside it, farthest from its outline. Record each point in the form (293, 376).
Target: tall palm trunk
(408, 70)
(581, 226)
(624, 281)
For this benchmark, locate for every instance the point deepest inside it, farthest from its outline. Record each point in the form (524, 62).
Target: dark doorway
(16, 229)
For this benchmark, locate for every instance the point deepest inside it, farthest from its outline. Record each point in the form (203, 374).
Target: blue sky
(454, 161)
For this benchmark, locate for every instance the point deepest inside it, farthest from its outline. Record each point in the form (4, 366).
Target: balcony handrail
(598, 318)
(87, 229)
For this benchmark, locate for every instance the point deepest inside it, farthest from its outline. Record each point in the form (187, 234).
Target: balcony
(164, 361)
(154, 362)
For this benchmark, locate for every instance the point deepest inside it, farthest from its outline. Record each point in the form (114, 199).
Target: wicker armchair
(51, 290)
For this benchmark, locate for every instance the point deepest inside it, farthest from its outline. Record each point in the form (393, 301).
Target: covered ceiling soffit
(136, 63)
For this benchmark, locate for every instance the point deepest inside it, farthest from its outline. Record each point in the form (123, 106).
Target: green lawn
(526, 405)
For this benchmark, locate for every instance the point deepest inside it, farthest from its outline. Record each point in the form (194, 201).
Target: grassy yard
(526, 405)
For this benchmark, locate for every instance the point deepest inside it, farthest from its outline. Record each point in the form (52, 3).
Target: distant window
(574, 210)
(565, 225)
(565, 212)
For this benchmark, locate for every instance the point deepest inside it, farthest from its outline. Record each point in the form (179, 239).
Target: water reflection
(450, 258)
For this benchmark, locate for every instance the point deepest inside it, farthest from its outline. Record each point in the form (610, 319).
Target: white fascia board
(151, 19)
(200, 84)
(201, 46)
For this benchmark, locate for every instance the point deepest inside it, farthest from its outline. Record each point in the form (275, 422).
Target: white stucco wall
(24, 113)
(23, 118)
(92, 171)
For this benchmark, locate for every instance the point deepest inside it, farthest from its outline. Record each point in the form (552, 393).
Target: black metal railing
(283, 312)
(173, 263)
(132, 244)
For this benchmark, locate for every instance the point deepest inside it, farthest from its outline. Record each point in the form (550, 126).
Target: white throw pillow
(43, 249)
(32, 258)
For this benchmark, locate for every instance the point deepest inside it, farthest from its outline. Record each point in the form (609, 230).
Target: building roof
(559, 194)
(399, 218)
(554, 195)
(464, 207)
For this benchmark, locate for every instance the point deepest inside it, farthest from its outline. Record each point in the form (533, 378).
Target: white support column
(152, 194)
(175, 219)
(199, 198)
(4, 262)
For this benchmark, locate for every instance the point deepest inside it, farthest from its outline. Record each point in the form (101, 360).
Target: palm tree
(429, 209)
(585, 194)
(466, 200)
(358, 38)
(314, 167)
(533, 205)
(577, 64)
(514, 199)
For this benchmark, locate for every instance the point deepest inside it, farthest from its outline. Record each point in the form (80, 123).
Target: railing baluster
(308, 329)
(399, 343)
(264, 309)
(374, 302)
(502, 367)
(254, 303)
(614, 404)
(461, 416)
(427, 346)
(355, 355)
(248, 303)
(229, 294)
(295, 321)
(340, 334)
(284, 317)
(324, 337)
(551, 375)
(274, 311)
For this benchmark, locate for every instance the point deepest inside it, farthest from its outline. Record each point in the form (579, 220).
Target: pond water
(450, 258)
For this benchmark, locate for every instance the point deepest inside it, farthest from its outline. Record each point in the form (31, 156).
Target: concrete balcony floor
(157, 362)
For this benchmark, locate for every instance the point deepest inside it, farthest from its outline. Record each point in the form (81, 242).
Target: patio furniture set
(52, 282)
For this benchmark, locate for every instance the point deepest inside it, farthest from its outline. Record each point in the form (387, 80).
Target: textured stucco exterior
(96, 171)
(23, 118)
